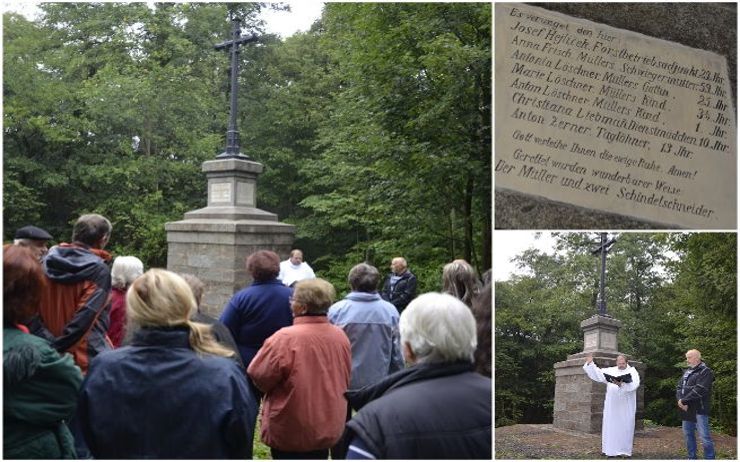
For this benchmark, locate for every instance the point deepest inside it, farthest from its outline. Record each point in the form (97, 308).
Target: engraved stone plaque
(220, 192)
(245, 193)
(590, 340)
(609, 340)
(613, 120)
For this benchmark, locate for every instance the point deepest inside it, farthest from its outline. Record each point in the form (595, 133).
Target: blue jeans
(701, 424)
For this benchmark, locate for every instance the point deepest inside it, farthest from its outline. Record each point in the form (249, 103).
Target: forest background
(672, 292)
(373, 126)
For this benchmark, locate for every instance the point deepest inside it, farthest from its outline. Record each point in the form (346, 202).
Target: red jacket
(74, 300)
(117, 325)
(304, 371)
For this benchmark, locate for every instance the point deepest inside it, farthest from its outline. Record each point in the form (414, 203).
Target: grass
(260, 451)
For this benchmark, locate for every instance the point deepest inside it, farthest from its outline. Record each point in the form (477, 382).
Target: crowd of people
(121, 363)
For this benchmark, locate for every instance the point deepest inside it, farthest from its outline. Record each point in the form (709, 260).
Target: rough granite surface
(706, 26)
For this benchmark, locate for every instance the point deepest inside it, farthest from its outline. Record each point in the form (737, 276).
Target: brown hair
(263, 265)
(459, 280)
(364, 278)
(23, 281)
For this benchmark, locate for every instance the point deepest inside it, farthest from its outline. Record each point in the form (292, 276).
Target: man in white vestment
(620, 403)
(294, 269)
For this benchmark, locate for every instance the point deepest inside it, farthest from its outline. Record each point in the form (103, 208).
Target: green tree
(672, 292)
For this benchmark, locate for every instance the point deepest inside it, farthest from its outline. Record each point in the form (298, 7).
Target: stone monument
(579, 401)
(213, 242)
(612, 121)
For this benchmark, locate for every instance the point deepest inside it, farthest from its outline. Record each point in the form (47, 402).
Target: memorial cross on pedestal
(232, 134)
(603, 249)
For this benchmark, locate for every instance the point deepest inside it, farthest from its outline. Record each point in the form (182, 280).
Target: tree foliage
(672, 292)
(374, 126)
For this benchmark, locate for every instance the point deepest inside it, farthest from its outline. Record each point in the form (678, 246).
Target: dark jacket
(40, 390)
(255, 313)
(403, 292)
(696, 391)
(158, 399)
(428, 411)
(222, 334)
(73, 304)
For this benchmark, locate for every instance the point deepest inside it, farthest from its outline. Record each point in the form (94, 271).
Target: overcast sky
(303, 13)
(508, 244)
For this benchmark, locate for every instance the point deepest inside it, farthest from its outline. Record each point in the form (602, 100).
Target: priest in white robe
(620, 403)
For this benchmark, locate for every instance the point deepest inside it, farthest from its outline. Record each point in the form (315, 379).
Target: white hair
(438, 328)
(125, 270)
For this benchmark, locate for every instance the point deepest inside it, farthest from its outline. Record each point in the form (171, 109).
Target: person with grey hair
(371, 324)
(438, 407)
(124, 271)
(399, 287)
(77, 292)
(34, 238)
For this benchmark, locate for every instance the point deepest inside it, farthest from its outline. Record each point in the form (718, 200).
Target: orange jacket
(304, 371)
(73, 303)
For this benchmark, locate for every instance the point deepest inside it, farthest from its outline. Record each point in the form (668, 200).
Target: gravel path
(539, 441)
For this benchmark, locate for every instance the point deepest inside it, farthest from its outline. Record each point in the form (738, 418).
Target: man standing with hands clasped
(620, 404)
(694, 393)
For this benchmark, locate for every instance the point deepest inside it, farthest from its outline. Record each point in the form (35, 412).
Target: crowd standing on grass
(381, 373)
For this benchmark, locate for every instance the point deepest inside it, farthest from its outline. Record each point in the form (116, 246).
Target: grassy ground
(260, 451)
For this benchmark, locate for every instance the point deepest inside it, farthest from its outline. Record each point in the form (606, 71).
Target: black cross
(232, 134)
(602, 249)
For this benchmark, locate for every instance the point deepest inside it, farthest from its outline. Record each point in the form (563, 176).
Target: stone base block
(215, 250)
(579, 401)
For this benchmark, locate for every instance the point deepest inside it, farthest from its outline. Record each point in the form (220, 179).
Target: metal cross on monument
(602, 249)
(232, 134)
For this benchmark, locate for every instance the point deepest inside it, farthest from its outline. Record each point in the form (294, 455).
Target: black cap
(32, 232)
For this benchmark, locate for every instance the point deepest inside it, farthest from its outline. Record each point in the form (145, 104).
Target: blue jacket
(158, 399)
(371, 324)
(255, 313)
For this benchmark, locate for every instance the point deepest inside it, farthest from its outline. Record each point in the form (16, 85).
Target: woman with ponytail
(172, 392)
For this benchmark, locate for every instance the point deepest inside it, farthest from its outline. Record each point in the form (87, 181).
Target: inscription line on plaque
(613, 120)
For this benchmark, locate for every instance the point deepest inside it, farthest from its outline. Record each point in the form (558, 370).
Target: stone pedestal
(579, 401)
(213, 242)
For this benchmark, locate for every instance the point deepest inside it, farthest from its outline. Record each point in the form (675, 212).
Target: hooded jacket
(428, 411)
(73, 303)
(39, 395)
